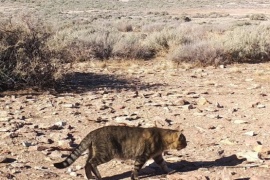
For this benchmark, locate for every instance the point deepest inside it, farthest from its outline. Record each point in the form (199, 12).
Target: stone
(74, 174)
(202, 101)
(68, 105)
(27, 144)
(187, 107)
(249, 133)
(60, 123)
(240, 122)
(64, 143)
(260, 106)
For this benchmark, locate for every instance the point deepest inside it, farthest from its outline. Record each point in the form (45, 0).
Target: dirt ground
(223, 111)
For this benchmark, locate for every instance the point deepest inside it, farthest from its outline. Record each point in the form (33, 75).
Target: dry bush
(97, 45)
(153, 27)
(248, 44)
(203, 53)
(124, 27)
(25, 58)
(260, 17)
(158, 40)
(131, 47)
(211, 15)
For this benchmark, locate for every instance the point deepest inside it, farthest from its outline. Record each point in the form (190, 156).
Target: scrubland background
(39, 40)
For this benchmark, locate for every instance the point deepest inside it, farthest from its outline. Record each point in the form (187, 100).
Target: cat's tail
(76, 153)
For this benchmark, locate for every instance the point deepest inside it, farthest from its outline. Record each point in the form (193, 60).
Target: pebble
(27, 144)
(188, 107)
(60, 123)
(202, 101)
(74, 174)
(260, 106)
(240, 122)
(249, 133)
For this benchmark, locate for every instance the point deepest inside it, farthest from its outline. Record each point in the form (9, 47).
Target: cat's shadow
(182, 166)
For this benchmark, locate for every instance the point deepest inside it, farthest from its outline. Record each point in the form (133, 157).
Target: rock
(3, 159)
(249, 133)
(222, 66)
(17, 165)
(78, 167)
(181, 102)
(211, 109)
(213, 116)
(202, 101)
(3, 113)
(227, 141)
(104, 107)
(193, 95)
(263, 151)
(74, 174)
(199, 114)
(56, 154)
(68, 105)
(27, 144)
(64, 143)
(37, 148)
(254, 86)
(251, 156)
(249, 79)
(5, 119)
(187, 107)
(121, 119)
(40, 168)
(5, 129)
(260, 106)
(240, 122)
(218, 105)
(60, 123)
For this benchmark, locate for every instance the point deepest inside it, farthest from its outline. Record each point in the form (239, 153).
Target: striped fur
(125, 142)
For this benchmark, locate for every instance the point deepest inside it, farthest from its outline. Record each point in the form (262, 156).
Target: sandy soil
(224, 113)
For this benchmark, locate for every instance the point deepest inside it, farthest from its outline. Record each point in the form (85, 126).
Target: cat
(125, 142)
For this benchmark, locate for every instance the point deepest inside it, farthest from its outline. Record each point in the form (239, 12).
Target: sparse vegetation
(33, 52)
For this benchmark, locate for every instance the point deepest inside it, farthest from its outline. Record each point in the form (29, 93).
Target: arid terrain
(224, 113)
(222, 108)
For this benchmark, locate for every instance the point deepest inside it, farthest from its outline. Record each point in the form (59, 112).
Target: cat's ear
(178, 128)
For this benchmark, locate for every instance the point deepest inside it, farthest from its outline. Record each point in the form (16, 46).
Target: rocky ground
(223, 111)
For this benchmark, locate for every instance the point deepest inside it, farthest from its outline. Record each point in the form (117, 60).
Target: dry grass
(25, 58)
(96, 30)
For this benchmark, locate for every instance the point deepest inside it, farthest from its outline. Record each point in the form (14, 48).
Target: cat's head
(181, 141)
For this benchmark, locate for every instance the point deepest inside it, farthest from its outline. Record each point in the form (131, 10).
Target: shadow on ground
(82, 82)
(184, 166)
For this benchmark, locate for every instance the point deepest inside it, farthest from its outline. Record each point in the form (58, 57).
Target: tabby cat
(125, 142)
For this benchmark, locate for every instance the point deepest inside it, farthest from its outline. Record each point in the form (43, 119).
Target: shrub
(260, 17)
(25, 58)
(203, 53)
(96, 45)
(124, 27)
(247, 44)
(131, 47)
